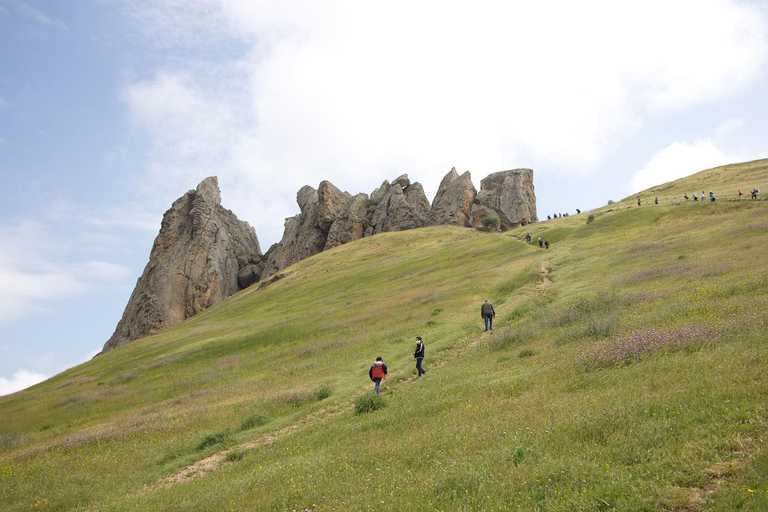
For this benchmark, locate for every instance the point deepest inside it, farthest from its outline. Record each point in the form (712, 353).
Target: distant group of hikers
(711, 196)
(542, 243)
(378, 371)
(755, 193)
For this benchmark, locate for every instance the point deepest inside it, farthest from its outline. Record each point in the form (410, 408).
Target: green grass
(626, 372)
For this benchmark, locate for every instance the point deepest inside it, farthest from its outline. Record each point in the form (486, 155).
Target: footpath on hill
(218, 459)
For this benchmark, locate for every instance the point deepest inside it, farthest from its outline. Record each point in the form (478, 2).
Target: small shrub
(46, 427)
(526, 352)
(590, 218)
(431, 323)
(222, 436)
(490, 223)
(323, 392)
(520, 454)
(369, 402)
(235, 455)
(295, 398)
(436, 311)
(253, 421)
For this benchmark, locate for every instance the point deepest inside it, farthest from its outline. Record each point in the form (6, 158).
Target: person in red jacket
(377, 373)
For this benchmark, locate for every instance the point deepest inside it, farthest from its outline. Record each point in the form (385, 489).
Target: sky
(110, 110)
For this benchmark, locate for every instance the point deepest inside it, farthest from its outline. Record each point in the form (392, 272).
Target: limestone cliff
(194, 264)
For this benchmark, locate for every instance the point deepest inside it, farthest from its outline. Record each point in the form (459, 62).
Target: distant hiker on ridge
(694, 197)
(487, 312)
(419, 355)
(377, 373)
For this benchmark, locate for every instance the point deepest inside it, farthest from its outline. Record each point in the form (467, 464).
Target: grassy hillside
(626, 371)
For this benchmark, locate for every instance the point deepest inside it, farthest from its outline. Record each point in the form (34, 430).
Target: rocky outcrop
(351, 223)
(302, 236)
(203, 254)
(452, 205)
(398, 206)
(507, 195)
(196, 261)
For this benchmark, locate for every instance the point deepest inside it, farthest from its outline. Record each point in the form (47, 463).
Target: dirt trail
(545, 282)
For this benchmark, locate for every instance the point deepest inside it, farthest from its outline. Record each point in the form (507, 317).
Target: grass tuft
(219, 437)
(369, 402)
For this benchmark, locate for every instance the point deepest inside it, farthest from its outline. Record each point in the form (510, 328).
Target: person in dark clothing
(419, 355)
(377, 373)
(546, 244)
(528, 238)
(487, 312)
(541, 242)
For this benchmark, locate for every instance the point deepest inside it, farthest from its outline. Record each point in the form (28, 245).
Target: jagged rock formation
(305, 234)
(398, 206)
(330, 217)
(452, 205)
(203, 253)
(507, 195)
(196, 261)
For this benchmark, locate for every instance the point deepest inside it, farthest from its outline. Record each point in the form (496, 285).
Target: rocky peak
(194, 264)
(453, 203)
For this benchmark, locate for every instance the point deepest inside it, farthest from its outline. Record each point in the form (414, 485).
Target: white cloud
(36, 14)
(131, 215)
(729, 127)
(356, 92)
(35, 271)
(21, 379)
(679, 160)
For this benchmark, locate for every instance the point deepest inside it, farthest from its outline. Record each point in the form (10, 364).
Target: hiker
(419, 355)
(487, 312)
(541, 242)
(695, 198)
(685, 196)
(702, 197)
(711, 196)
(578, 211)
(757, 194)
(655, 200)
(753, 193)
(377, 373)
(739, 193)
(638, 201)
(546, 244)
(528, 238)
(549, 217)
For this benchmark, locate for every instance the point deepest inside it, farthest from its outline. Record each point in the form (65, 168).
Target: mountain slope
(626, 372)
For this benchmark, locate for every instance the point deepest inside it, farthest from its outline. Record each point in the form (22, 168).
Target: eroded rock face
(351, 222)
(194, 263)
(399, 205)
(452, 205)
(510, 195)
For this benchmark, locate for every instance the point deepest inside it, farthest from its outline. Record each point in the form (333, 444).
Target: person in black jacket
(419, 355)
(487, 312)
(377, 373)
